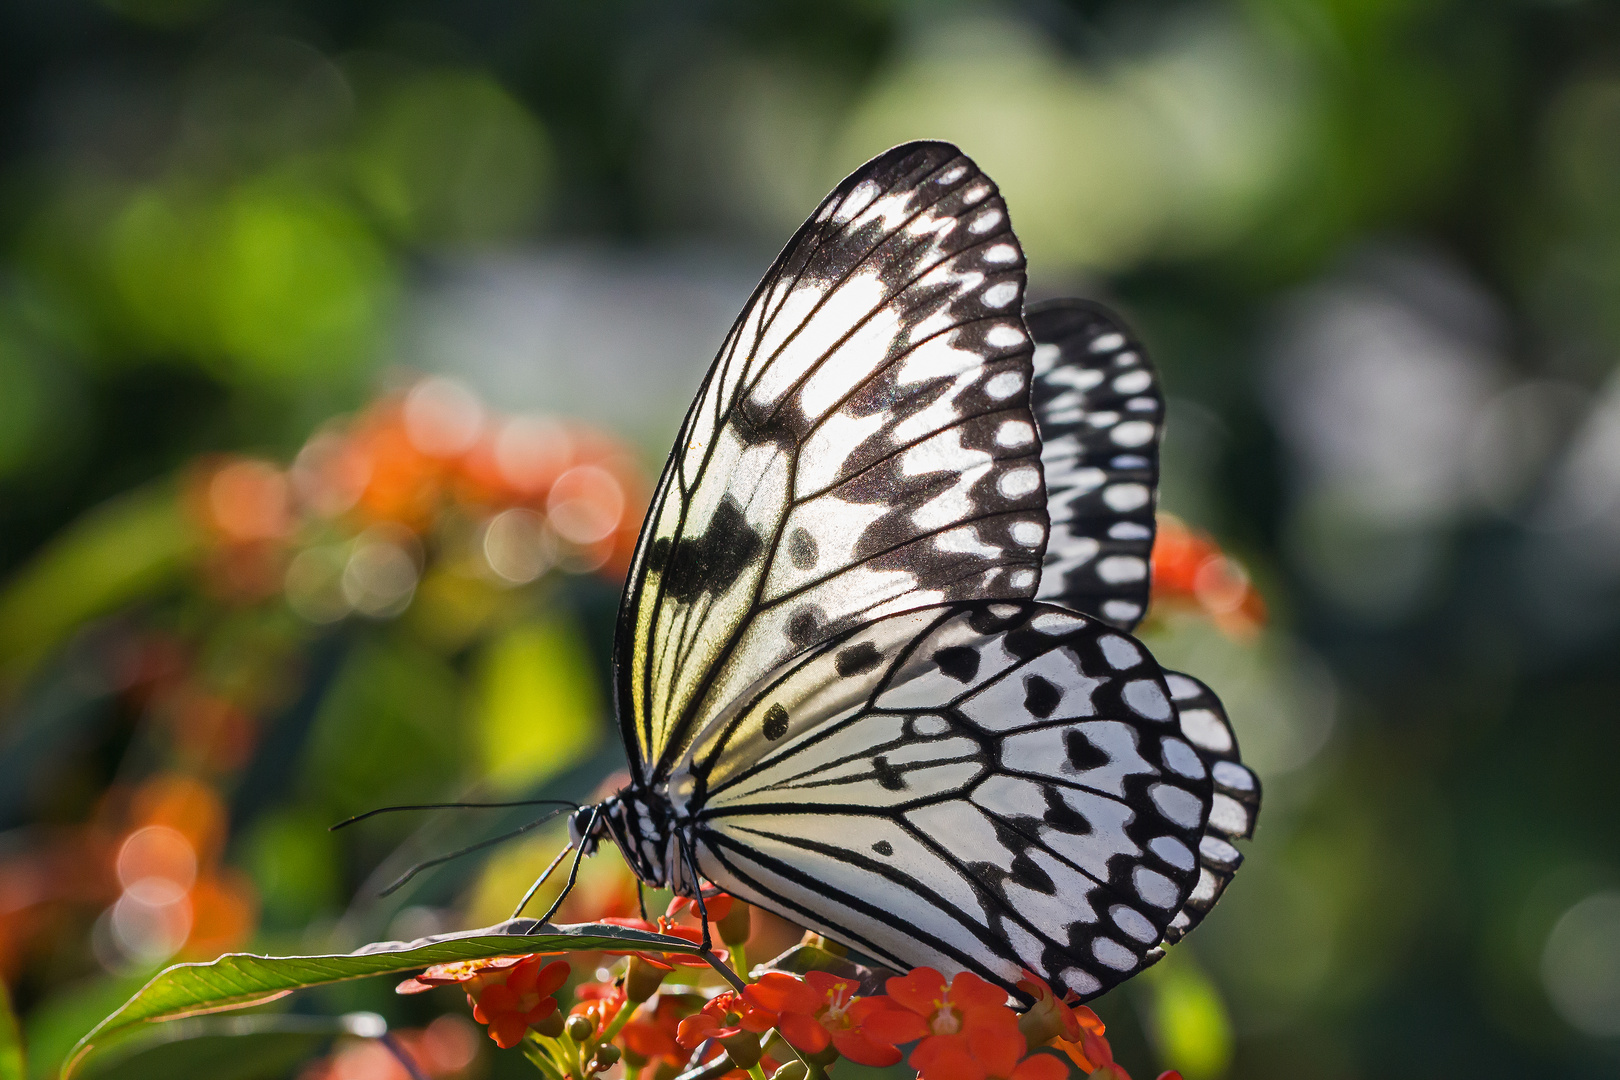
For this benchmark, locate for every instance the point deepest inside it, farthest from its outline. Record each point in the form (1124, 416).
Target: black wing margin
(1100, 412)
(1236, 803)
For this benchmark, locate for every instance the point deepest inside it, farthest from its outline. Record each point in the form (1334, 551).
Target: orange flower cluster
(958, 1029)
(508, 994)
(1190, 569)
(398, 480)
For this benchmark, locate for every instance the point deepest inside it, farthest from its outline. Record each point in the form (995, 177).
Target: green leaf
(238, 980)
(11, 1050)
(122, 550)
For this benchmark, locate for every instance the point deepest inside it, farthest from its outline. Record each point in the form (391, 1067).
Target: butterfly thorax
(642, 826)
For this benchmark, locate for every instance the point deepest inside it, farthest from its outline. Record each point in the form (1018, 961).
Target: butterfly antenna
(573, 871)
(541, 880)
(451, 806)
(468, 850)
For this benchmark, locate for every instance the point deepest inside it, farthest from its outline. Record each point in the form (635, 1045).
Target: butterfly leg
(641, 900)
(703, 914)
(573, 871)
(541, 880)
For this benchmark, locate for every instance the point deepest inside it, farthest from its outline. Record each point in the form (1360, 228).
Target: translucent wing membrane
(863, 445)
(976, 786)
(1236, 800)
(1099, 410)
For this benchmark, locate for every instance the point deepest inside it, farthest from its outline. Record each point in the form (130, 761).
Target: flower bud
(1046, 1020)
(743, 1049)
(737, 924)
(551, 1026)
(824, 1058)
(793, 1070)
(642, 980)
(579, 1027)
(606, 1056)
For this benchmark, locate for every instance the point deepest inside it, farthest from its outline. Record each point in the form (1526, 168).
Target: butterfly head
(639, 823)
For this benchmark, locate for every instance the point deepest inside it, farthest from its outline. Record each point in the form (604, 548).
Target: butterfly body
(873, 663)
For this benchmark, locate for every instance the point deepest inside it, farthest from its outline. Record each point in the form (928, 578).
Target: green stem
(756, 1071)
(576, 1059)
(618, 1023)
(739, 961)
(538, 1057)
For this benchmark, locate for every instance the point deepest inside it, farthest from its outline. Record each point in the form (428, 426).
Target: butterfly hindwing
(1235, 803)
(1099, 409)
(976, 786)
(862, 445)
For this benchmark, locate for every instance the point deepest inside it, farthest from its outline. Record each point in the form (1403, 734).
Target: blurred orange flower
(1190, 568)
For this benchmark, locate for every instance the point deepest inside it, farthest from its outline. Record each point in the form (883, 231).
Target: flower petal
(777, 991)
(971, 992)
(921, 991)
(804, 1032)
(946, 1057)
(1040, 1067)
(863, 1051)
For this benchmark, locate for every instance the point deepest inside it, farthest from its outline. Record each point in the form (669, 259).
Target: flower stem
(540, 1059)
(756, 1071)
(739, 961)
(618, 1022)
(575, 1056)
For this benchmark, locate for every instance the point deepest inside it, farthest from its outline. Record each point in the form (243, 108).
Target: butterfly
(873, 664)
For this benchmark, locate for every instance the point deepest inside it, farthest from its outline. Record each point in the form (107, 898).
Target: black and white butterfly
(873, 664)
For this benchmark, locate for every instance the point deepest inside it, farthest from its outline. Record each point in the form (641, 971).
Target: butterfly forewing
(983, 786)
(1099, 409)
(862, 445)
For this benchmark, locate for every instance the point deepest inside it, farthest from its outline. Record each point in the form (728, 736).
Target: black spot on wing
(883, 847)
(802, 548)
(776, 722)
(1041, 696)
(887, 775)
(960, 662)
(806, 626)
(713, 561)
(857, 659)
(1083, 754)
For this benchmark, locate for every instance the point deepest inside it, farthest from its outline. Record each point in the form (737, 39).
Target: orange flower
(725, 1015)
(1190, 567)
(821, 1010)
(718, 907)
(1058, 1022)
(973, 1035)
(600, 1002)
(651, 1036)
(510, 994)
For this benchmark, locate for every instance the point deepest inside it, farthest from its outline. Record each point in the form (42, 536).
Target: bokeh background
(339, 343)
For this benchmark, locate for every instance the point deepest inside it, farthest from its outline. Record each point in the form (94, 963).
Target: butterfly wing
(978, 786)
(862, 445)
(1098, 407)
(1234, 806)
